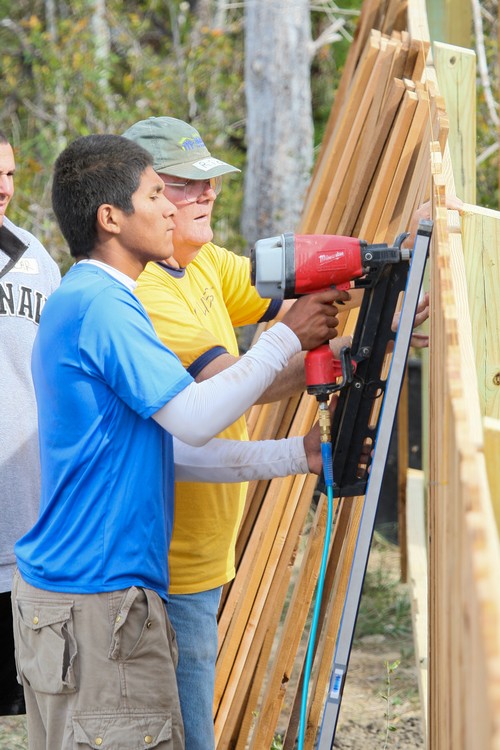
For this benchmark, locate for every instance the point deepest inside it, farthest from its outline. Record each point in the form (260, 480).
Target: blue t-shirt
(106, 507)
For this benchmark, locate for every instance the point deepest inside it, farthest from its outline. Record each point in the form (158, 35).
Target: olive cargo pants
(98, 670)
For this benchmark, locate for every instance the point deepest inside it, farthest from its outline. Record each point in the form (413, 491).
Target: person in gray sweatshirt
(27, 276)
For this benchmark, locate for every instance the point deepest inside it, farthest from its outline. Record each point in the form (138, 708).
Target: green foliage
(73, 73)
(62, 78)
(487, 193)
(68, 72)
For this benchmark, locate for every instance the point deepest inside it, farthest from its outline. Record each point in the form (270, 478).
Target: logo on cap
(188, 144)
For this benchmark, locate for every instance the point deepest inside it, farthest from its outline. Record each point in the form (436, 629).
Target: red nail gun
(290, 265)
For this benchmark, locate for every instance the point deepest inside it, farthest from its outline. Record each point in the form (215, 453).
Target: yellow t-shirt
(193, 312)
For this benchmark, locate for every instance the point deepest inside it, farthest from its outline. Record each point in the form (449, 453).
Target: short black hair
(92, 170)
(3, 137)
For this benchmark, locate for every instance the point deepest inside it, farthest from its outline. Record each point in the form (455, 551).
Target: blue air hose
(326, 455)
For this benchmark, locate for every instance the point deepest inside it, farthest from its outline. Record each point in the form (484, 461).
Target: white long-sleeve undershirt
(239, 460)
(202, 410)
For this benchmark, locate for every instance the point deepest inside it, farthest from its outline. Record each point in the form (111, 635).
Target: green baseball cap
(177, 149)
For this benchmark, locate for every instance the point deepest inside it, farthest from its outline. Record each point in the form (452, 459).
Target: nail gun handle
(323, 371)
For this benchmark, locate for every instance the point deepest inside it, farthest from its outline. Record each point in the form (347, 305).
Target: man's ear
(108, 218)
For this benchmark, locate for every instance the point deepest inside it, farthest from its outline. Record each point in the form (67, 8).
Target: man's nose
(6, 185)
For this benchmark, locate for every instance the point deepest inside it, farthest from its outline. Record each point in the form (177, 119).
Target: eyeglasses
(194, 188)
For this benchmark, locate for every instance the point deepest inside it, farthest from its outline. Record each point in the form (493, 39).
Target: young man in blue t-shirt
(94, 647)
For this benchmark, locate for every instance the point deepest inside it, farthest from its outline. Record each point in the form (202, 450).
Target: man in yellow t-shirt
(195, 299)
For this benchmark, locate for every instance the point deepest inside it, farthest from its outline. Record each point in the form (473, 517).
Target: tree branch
(7, 23)
(484, 155)
(328, 36)
(482, 64)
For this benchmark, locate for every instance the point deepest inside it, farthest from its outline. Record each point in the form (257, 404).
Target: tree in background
(279, 128)
(71, 68)
(280, 133)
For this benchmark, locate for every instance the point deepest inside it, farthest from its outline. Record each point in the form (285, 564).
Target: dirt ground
(362, 722)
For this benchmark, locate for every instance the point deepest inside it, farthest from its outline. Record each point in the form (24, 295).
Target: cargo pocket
(133, 730)
(47, 647)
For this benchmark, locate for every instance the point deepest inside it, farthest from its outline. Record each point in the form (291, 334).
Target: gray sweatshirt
(23, 291)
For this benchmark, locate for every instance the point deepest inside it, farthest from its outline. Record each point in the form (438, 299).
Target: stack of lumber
(372, 172)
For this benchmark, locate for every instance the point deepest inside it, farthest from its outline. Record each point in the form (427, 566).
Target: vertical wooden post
(456, 74)
(481, 242)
